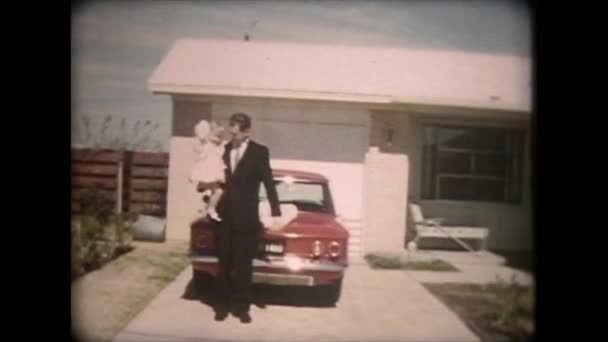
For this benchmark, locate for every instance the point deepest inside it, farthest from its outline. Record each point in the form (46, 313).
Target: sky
(116, 45)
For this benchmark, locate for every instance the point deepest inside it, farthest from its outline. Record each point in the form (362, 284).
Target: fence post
(119, 185)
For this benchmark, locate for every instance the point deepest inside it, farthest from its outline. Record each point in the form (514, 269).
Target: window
(472, 163)
(306, 196)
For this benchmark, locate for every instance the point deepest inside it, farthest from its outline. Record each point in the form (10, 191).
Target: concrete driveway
(375, 306)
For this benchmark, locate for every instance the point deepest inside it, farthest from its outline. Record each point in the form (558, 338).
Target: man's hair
(242, 120)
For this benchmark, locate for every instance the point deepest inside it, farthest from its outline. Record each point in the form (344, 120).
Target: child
(208, 170)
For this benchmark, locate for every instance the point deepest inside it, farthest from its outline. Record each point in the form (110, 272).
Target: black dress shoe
(221, 315)
(260, 304)
(244, 317)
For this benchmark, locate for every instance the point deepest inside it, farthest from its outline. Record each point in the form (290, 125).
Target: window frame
(430, 187)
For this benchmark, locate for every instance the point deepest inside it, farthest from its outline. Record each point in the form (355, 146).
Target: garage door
(305, 131)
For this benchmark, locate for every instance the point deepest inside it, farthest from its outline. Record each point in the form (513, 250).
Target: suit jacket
(239, 204)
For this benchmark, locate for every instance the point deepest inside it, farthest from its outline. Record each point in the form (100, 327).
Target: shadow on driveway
(204, 290)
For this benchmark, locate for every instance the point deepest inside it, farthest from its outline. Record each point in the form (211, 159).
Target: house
(450, 130)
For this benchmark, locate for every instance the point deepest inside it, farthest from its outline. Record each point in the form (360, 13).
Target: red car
(309, 251)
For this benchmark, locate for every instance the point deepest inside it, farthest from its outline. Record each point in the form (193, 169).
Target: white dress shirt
(241, 152)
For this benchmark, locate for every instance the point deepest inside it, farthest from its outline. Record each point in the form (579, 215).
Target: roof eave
(172, 89)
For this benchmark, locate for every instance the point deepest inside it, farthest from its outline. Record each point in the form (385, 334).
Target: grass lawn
(106, 300)
(387, 261)
(495, 312)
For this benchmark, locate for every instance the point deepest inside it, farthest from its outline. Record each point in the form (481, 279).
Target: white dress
(209, 166)
(288, 213)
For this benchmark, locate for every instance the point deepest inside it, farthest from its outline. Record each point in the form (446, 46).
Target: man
(247, 166)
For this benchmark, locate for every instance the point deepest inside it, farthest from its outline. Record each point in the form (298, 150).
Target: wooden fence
(136, 180)
(147, 183)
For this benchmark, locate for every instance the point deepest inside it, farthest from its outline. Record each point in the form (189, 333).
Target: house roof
(344, 73)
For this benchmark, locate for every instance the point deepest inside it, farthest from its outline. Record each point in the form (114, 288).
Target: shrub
(518, 307)
(99, 235)
(98, 204)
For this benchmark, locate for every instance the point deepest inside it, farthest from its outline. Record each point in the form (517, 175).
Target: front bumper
(282, 270)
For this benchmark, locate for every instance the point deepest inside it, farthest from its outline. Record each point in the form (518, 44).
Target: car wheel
(201, 282)
(201, 287)
(331, 293)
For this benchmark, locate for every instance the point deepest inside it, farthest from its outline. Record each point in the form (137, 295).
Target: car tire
(201, 282)
(331, 293)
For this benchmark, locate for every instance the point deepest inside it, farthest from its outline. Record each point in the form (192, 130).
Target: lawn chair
(433, 228)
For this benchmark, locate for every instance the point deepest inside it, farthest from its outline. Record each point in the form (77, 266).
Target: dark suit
(238, 235)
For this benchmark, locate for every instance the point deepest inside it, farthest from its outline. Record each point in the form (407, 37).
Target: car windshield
(306, 196)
